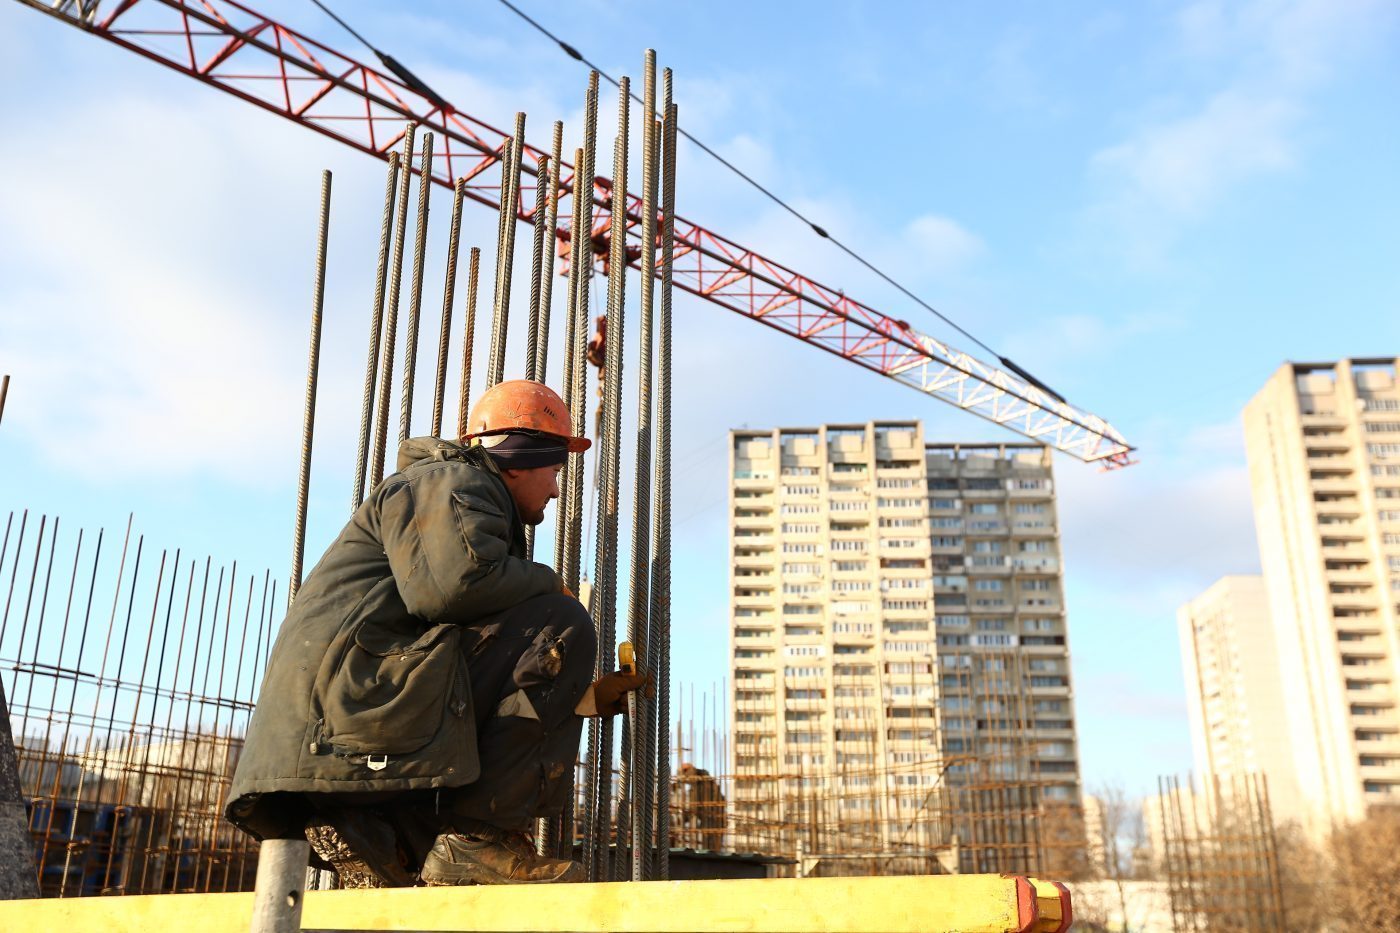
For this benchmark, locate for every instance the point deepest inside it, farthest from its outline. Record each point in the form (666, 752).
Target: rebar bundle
(129, 722)
(128, 740)
(1220, 856)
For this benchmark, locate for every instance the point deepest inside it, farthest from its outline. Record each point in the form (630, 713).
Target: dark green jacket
(366, 685)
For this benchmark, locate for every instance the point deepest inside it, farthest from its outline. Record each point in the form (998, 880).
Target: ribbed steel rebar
(581, 271)
(449, 293)
(551, 224)
(468, 338)
(313, 369)
(505, 257)
(376, 325)
(391, 319)
(566, 557)
(4, 393)
(537, 245)
(661, 529)
(554, 835)
(605, 558)
(639, 604)
(415, 295)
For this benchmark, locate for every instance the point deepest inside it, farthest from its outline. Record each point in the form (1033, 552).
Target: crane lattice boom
(244, 53)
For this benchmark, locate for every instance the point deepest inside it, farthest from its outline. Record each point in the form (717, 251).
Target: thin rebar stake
(376, 325)
(391, 321)
(605, 560)
(581, 239)
(643, 744)
(661, 528)
(505, 257)
(449, 293)
(468, 339)
(415, 294)
(313, 367)
(537, 243)
(551, 224)
(566, 558)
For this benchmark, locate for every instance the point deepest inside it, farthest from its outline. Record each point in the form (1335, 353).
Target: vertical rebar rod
(468, 338)
(551, 224)
(391, 318)
(415, 292)
(505, 256)
(643, 742)
(575, 461)
(605, 558)
(14, 569)
(449, 294)
(4, 392)
(580, 271)
(537, 247)
(661, 529)
(376, 326)
(313, 367)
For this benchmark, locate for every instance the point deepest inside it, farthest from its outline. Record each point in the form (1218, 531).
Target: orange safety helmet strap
(526, 406)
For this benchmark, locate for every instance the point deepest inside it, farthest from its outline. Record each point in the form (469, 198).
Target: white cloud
(1079, 336)
(942, 243)
(1180, 168)
(1266, 61)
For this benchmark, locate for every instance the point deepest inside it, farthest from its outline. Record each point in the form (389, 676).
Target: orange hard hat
(523, 405)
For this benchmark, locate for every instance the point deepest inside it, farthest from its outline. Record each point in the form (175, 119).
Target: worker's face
(532, 490)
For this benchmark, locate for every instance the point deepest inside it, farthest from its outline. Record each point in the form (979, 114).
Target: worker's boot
(488, 855)
(360, 847)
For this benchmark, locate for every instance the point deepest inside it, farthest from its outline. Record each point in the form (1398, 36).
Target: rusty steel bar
(468, 339)
(551, 225)
(313, 370)
(4, 392)
(449, 294)
(661, 529)
(376, 327)
(537, 246)
(415, 294)
(505, 254)
(639, 615)
(391, 319)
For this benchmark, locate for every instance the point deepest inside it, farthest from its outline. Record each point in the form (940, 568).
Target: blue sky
(1149, 205)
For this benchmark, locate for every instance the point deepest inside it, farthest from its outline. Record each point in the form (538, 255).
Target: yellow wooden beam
(966, 903)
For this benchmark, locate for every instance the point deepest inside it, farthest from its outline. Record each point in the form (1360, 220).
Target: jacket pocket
(388, 694)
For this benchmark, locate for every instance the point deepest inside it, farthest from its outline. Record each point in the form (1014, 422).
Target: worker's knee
(564, 646)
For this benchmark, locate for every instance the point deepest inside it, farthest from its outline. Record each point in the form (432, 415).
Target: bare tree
(1117, 840)
(1365, 860)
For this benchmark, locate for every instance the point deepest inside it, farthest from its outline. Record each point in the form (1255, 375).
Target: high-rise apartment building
(1324, 461)
(1234, 697)
(899, 651)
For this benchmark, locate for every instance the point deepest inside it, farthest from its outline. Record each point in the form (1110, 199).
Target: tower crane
(242, 52)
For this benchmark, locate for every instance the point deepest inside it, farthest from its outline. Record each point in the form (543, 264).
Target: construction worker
(424, 699)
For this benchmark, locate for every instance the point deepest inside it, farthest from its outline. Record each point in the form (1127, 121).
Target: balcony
(1036, 564)
(986, 528)
(764, 558)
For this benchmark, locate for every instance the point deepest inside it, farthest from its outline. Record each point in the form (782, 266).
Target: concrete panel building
(1234, 695)
(1323, 441)
(899, 651)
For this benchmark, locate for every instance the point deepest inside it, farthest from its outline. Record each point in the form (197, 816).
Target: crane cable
(417, 84)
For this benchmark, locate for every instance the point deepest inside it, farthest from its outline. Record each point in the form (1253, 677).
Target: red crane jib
(244, 53)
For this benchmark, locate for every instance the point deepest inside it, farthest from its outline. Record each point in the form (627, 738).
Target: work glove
(607, 696)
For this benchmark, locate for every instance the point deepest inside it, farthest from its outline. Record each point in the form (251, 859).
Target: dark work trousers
(529, 670)
(529, 666)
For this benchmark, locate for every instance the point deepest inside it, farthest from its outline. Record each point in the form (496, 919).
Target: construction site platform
(967, 903)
